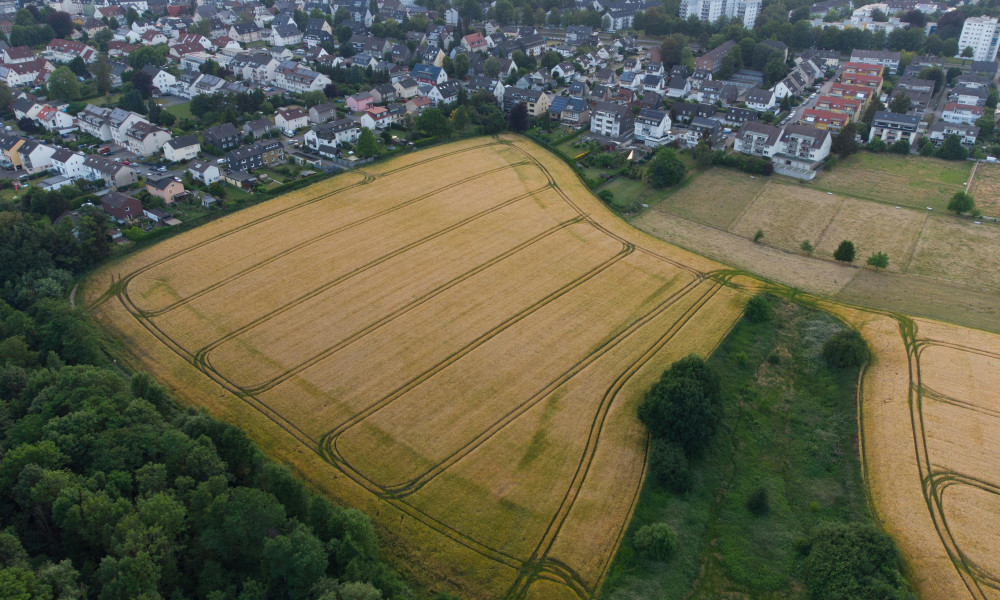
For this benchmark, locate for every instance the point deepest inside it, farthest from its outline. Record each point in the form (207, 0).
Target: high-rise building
(982, 34)
(712, 10)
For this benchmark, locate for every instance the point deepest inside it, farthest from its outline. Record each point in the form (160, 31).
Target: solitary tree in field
(961, 203)
(879, 260)
(845, 252)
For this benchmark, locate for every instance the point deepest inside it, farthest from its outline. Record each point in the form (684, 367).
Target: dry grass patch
(959, 250)
(716, 197)
(986, 189)
(912, 181)
(874, 228)
(788, 215)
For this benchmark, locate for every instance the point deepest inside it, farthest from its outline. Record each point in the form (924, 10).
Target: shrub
(845, 561)
(669, 466)
(606, 195)
(758, 309)
(806, 247)
(845, 349)
(757, 237)
(758, 504)
(655, 541)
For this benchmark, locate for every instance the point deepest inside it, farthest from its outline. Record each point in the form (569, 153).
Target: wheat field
(454, 341)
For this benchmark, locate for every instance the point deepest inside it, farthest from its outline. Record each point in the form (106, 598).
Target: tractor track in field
(202, 355)
(305, 243)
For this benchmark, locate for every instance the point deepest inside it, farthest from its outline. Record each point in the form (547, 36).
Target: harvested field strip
(787, 215)
(969, 377)
(716, 197)
(969, 453)
(187, 284)
(985, 189)
(956, 250)
(971, 510)
(615, 297)
(285, 290)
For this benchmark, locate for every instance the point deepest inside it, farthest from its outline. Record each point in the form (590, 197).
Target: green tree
(900, 104)
(951, 149)
(63, 84)
(432, 123)
(845, 349)
(900, 147)
(665, 169)
(294, 563)
(491, 68)
(102, 74)
(367, 144)
(879, 260)
(685, 405)
(968, 52)
(60, 22)
(78, 67)
(758, 309)
(132, 100)
(518, 120)
(669, 466)
(856, 560)
(209, 67)
(461, 65)
(845, 143)
(703, 155)
(844, 252)
(961, 203)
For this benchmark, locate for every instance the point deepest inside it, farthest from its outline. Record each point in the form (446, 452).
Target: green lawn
(181, 111)
(794, 436)
(913, 181)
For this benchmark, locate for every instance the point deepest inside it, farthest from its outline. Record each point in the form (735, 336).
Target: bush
(806, 247)
(669, 467)
(758, 309)
(846, 561)
(845, 349)
(655, 541)
(758, 504)
(606, 195)
(757, 237)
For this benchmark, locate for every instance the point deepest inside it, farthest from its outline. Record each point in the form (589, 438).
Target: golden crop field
(454, 341)
(985, 188)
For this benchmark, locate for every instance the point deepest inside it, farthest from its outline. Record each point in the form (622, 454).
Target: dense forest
(110, 490)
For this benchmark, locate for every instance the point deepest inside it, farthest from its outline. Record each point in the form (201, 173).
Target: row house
(857, 92)
(16, 54)
(300, 79)
(915, 84)
(66, 50)
(757, 139)
(940, 131)
(886, 59)
(34, 72)
(859, 68)
(612, 120)
(961, 114)
(859, 79)
(968, 95)
(360, 101)
(324, 139)
(919, 101)
(193, 38)
(108, 125)
(712, 60)
(852, 107)
(652, 127)
(824, 119)
(891, 127)
(255, 156)
(114, 174)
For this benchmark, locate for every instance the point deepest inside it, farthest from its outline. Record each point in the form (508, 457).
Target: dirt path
(72, 296)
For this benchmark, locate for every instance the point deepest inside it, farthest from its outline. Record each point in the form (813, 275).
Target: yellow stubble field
(453, 341)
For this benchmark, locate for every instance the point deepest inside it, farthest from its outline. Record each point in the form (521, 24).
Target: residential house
(852, 107)
(205, 171)
(884, 58)
(712, 59)
(940, 131)
(652, 127)
(474, 42)
(258, 128)
(757, 139)
(860, 68)
(679, 87)
(612, 120)
(16, 54)
(69, 164)
(718, 91)
(296, 78)
(801, 151)
(858, 92)
(968, 95)
(384, 93)
(66, 50)
(35, 156)
(321, 113)
(359, 102)
(444, 93)
(707, 129)
(291, 118)
(824, 119)
(324, 139)
(181, 148)
(564, 70)
(223, 136)
(144, 138)
(738, 116)
(122, 208)
(762, 100)
(285, 35)
(53, 119)
(860, 79)
(961, 114)
(152, 38)
(536, 101)
(166, 188)
(255, 156)
(891, 127)
(406, 88)
(246, 33)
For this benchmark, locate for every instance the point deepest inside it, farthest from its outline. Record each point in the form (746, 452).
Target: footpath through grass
(795, 437)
